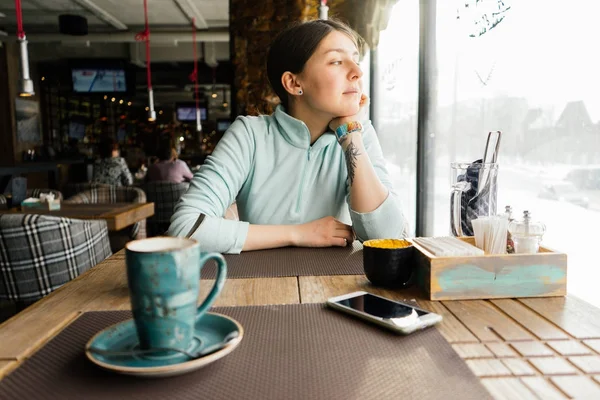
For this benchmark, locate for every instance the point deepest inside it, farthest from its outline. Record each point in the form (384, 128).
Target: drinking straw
(479, 233)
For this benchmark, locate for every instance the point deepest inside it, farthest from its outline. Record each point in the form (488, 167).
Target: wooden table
(540, 348)
(117, 215)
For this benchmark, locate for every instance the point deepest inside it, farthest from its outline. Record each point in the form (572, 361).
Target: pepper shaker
(510, 246)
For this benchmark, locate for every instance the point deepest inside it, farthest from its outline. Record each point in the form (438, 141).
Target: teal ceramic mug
(163, 274)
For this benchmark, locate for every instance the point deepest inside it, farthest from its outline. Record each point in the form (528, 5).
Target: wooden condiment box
(542, 274)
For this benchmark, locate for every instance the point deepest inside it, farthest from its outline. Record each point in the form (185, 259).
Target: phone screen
(382, 308)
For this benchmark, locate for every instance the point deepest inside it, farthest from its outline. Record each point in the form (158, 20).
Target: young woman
(111, 169)
(302, 175)
(168, 168)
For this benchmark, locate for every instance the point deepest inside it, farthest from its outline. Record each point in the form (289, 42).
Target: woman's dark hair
(292, 48)
(165, 152)
(106, 147)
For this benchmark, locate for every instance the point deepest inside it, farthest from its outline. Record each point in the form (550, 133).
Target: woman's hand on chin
(360, 115)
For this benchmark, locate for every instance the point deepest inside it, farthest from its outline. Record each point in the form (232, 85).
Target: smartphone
(399, 317)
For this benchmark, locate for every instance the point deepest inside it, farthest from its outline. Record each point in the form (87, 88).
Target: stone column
(253, 25)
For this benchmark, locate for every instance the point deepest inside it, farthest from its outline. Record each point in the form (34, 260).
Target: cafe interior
(483, 126)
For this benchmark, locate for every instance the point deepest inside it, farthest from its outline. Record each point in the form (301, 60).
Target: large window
(396, 93)
(526, 68)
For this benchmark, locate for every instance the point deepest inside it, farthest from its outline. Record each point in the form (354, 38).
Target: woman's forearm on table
(268, 237)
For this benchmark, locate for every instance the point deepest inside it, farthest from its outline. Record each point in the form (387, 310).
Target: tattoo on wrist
(343, 140)
(351, 154)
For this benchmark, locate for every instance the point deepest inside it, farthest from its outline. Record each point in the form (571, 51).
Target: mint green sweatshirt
(268, 166)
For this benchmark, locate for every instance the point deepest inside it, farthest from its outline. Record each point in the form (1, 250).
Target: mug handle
(219, 282)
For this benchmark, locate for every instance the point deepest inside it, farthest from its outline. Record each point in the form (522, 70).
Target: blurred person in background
(168, 168)
(111, 169)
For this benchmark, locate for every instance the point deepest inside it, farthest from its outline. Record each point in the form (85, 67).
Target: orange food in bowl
(387, 243)
(389, 262)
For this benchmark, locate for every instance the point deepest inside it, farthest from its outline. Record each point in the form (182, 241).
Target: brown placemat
(292, 261)
(288, 352)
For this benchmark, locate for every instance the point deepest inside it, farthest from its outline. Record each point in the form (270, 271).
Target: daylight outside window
(524, 68)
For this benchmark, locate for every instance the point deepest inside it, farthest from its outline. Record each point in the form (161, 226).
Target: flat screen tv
(102, 77)
(99, 80)
(187, 112)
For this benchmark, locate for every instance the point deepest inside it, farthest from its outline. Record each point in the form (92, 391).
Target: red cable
(20, 31)
(145, 36)
(194, 76)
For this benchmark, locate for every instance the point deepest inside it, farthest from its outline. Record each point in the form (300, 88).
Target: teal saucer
(211, 330)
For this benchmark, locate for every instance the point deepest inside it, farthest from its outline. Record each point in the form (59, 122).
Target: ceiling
(112, 26)
(41, 16)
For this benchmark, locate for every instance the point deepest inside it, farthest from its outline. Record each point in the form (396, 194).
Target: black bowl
(391, 267)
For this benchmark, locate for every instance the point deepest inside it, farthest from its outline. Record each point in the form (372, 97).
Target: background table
(116, 215)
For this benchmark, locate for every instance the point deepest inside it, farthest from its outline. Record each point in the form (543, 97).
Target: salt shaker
(526, 234)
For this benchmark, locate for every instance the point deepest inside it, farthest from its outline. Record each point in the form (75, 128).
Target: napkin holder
(491, 276)
(33, 203)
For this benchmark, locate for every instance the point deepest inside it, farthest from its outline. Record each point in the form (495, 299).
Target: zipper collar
(296, 133)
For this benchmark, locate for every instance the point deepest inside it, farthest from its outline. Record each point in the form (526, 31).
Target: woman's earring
(300, 92)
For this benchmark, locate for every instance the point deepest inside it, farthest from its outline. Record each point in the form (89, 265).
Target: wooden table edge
(51, 334)
(144, 210)
(6, 367)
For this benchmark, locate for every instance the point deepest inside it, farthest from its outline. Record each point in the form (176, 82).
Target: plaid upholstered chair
(106, 194)
(164, 195)
(71, 189)
(39, 253)
(36, 193)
